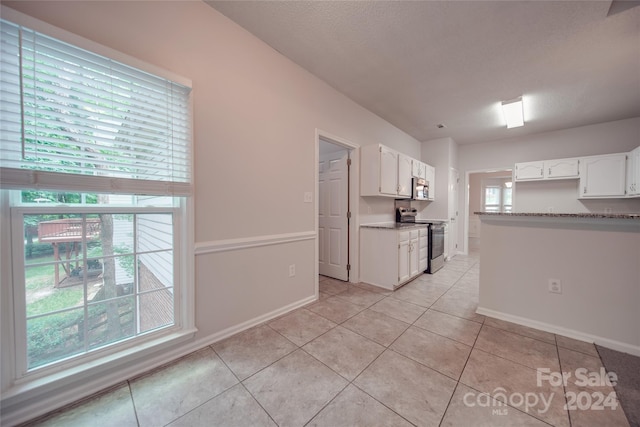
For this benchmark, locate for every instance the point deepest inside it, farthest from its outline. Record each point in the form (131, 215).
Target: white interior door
(333, 223)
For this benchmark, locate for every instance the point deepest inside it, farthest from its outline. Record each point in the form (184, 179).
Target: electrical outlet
(292, 270)
(550, 209)
(555, 286)
(607, 210)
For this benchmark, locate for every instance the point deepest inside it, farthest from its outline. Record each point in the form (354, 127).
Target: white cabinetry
(384, 172)
(404, 175)
(633, 173)
(603, 176)
(426, 172)
(430, 176)
(561, 168)
(418, 169)
(414, 253)
(404, 256)
(387, 171)
(529, 171)
(408, 255)
(424, 249)
(547, 169)
(390, 257)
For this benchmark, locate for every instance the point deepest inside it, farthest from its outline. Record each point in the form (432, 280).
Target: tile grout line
(564, 388)
(458, 382)
(133, 403)
(460, 377)
(241, 382)
(388, 347)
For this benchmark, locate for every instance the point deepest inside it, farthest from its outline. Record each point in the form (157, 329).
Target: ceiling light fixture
(513, 112)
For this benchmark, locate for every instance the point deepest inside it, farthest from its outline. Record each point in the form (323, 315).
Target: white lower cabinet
(424, 249)
(390, 257)
(404, 257)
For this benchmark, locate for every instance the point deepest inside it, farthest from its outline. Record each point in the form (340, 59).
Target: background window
(497, 195)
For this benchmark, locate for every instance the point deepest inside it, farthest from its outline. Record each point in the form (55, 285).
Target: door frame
(467, 214)
(354, 196)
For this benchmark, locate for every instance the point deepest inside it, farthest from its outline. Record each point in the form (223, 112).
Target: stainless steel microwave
(420, 189)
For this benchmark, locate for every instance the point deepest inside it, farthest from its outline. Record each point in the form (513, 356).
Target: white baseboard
(39, 404)
(571, 333)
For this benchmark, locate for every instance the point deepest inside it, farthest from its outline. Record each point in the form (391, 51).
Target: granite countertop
(563, 215)
(393, 225)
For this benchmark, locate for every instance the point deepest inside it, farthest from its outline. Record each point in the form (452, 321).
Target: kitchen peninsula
(575, 274)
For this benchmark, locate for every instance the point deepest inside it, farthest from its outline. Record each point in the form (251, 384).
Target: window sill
(70, 384)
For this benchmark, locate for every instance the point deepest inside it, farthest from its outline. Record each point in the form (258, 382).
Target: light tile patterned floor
(362, 356)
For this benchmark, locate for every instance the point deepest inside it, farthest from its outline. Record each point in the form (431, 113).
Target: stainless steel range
(436, 247)
(436, 236)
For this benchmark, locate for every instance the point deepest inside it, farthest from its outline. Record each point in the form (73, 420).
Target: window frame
(16, 385)
(17, 213)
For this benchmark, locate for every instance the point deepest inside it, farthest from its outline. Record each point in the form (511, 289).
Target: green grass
(41, 276)
(42, 296)
(59, 299)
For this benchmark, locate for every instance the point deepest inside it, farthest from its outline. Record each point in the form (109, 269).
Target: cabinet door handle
(549, 171)
(584, 191)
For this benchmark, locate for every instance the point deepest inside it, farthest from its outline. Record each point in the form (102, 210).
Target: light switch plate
(308, 198)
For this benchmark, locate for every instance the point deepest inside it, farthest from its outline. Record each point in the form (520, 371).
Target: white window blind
(67, 112)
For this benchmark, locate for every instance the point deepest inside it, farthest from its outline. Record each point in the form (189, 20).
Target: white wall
(442, 154)
(611, 137)
(255, 120)
(598, 265)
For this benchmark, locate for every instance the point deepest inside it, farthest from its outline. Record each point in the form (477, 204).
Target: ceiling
(418, 64)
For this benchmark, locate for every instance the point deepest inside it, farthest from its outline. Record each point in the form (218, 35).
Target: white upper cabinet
(418, 169)
(378, 171)
(386, 172)
(603, 176)
(529, 171)
(426, 172)
(430, 177)
(633, 173)
(404, 175)
(561, 168)
(547, 169)
(388, 181)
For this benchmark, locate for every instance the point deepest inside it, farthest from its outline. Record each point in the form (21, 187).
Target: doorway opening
(335, 220)
(487, 191)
